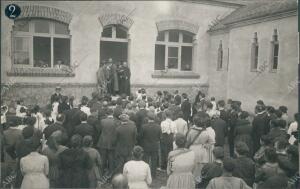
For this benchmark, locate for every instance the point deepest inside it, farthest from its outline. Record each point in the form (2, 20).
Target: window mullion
(114, 33)
(179, 58)
(52, 53)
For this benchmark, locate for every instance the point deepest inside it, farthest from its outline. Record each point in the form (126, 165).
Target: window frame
(179, 45)
(274, 42)
(31, 34)
(220, 57)
(113, 37)
(254, 55)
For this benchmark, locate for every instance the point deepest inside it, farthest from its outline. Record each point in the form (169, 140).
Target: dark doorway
(116, 50)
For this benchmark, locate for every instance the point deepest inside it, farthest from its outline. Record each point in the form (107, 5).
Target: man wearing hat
(260, 127)
(126, 135)
(150, 137)
(56, 94)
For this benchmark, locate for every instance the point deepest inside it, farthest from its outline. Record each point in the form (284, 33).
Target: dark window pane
(187, 38)
(41, 26)
(21, 50)
(275, 63)
(173, 36)
(161, 36)
(61, 28)
(42, 51)
(21, 25)
(186, 58)
(107, 32)
(172, 63)
(121, 32)
(159, 57)
(221, 59)
(256, 57)
(61, 51)
(276, 49)
(172, 51)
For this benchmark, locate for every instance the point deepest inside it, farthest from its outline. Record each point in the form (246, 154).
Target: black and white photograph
(178, 94)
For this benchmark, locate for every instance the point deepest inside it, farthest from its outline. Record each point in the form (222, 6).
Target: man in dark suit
(56, 94)
(140, 117)
(72, 119)
(106, 142)
(186, 108)
(58, 125)
(232, 119)
(260, 126)
(220, 128)
(84, 129)
(126, 135)
(150, 137)
(223, 112)
(244, 166)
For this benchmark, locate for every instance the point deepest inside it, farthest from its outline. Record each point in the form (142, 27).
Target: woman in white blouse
(137, 171)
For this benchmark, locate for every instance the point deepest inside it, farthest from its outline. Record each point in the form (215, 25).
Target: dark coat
(244, 169)
(186, 109)
(150, 136)
(108, 133)
(85, 129)
(260, 127)
(74, 165)
(126, 135)
(53, 97)
(72, 119)
(62, 107)
(220, 128)
(140, 117)
(277, 133)
(52, 128)
(243, 131)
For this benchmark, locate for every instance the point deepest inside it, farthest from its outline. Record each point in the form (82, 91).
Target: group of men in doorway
(114, 77)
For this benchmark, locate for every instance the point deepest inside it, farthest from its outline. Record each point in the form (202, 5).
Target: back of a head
(202, 119)
(83, 116)
(87, 141)
(137, 152)
(218, 152)
(221, 103)
(60, 117)
(76, 141)
(119, 181)
(241, 148)
(228, 165)
(151, 115)
(244, 115)
(142, 104)
(283, 109)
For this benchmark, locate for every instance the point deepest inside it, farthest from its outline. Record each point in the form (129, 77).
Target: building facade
(170, 45)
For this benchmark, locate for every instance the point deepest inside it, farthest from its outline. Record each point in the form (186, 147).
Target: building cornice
(247, 22)
(214, 3)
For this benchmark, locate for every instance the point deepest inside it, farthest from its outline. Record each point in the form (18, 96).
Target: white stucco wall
(275, 89)
(86, 30)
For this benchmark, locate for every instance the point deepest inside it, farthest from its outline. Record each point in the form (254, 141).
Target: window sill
(40, 72)
(175, 74)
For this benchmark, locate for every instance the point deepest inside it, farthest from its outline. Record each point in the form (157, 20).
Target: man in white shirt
(293, 128)
(168, 129)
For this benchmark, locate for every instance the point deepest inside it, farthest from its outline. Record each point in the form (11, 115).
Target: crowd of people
(127, 140)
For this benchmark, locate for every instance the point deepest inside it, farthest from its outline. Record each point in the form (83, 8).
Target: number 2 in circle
(12, 9)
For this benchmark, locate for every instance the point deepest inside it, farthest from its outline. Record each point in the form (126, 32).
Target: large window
(41, 43)
(275, 51)
(254, 53)
(174, 50)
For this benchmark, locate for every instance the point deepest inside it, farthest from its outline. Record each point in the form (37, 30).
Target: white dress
(138, 174)
(35, 167)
